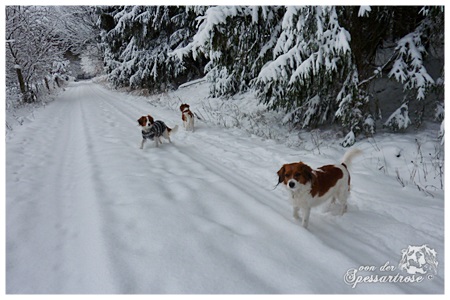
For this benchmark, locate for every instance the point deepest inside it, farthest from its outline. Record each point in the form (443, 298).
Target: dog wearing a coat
(154, 130)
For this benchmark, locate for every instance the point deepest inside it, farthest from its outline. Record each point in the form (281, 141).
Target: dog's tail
(349, 155)
(173, 130)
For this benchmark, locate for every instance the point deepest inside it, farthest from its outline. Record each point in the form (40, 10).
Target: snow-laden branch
(408, 68)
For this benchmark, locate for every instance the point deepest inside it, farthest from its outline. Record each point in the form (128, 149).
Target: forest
(361, 68)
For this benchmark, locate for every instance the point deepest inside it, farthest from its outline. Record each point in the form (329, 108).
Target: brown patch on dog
(185, 110)
(184, 106)
(143, 120)
(326, 178)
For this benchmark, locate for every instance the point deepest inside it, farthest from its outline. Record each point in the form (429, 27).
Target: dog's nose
(291, 184)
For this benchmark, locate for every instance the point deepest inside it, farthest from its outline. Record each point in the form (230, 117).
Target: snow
(414, 74)
(87, 211)
(399, 120)
(364, 11)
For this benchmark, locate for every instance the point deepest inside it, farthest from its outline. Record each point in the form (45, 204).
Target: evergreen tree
(319, 64)
(311, 65)
(237, 41)
(137, 41)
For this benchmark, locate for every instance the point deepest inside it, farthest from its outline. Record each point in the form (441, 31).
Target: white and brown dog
(310, 188)
(187, 116)
(154, 130)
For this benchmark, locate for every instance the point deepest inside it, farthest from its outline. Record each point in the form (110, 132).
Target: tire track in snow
(33, 237)
(68, 224)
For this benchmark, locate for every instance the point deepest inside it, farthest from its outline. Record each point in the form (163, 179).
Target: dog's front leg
(142, 144)
(295, 214)
(306, 213)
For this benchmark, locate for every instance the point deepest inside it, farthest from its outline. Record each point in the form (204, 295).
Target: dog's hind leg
(166, 135)
(344, 205)
(342, 197)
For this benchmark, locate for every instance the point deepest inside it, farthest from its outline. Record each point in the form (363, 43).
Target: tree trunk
(21, 81)
(46, 83)
(25, 95)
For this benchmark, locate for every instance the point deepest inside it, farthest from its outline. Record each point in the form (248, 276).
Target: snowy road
(87, 211)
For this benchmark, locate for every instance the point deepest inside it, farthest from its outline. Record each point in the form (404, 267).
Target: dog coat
(155, 130)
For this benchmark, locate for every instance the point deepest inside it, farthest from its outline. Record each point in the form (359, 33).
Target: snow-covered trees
(319, 64)
(238, 41)
(35, 48)
(311, 60)
(37, 39)
(137, 41)
(323, 64)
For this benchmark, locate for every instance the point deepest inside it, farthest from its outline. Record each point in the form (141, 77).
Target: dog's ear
(140, 121)
(307, 172)
(281, 174)
(150, 119)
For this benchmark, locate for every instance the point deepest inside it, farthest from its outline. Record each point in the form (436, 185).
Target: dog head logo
(419, 260)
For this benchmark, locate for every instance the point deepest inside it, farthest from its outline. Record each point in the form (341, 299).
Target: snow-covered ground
(87, 211)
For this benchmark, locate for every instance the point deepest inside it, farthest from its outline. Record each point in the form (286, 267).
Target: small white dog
(310, 188)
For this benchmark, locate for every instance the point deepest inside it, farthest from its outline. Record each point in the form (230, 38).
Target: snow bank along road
(87, 211)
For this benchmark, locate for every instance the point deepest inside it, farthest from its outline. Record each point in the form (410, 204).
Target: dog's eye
(287, 174)
(297, 174)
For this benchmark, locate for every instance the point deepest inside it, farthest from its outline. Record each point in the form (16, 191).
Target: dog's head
(184, 107)
(295, 175)
(145, 121)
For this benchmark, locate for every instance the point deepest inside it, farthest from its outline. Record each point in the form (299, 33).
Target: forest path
(87, 211)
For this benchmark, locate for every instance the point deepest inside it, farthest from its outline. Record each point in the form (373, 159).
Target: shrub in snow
(369, 125)
(399, 120)
(439, 112)
(349, 139)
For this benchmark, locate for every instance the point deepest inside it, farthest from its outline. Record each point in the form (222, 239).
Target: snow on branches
(311, 56)
(399, 120)
(319, 64)
(408, 67)
(237, 41)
